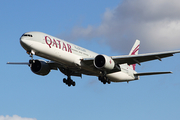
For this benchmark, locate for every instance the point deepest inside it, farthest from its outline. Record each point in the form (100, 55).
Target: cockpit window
(29, 35)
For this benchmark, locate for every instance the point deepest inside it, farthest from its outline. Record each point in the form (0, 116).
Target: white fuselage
(70, 55)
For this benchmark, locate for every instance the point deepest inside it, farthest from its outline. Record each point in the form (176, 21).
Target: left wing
(137, 59)
(53, 66)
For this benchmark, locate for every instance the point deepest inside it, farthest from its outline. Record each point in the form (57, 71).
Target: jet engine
(104, 62)
(39, 67)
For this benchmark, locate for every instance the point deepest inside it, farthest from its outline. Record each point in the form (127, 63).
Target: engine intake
(104, 62)
(39, 67)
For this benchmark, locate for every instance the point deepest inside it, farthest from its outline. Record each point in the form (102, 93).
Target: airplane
(73, 60)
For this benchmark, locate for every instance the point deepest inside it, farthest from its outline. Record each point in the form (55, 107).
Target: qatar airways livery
(73, 60)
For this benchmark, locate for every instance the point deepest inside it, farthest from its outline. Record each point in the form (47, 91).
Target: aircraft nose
(25, 43)
(22, 42)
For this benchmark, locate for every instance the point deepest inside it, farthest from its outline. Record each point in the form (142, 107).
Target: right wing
(137, 59)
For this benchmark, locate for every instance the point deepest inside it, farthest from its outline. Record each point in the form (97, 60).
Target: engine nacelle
(104, 62)
(40, 67)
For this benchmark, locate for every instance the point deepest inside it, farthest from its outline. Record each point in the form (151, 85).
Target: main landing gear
(104, 79)
(69, 82)
(68, 73)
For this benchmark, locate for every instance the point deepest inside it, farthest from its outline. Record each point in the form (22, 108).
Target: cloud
(155, 23)
(15, 117)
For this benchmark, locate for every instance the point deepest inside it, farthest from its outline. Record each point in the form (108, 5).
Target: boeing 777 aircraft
(73, 60)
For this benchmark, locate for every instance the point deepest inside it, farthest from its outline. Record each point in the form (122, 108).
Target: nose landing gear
(31, 53)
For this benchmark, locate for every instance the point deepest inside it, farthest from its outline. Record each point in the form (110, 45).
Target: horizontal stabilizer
(151, 73)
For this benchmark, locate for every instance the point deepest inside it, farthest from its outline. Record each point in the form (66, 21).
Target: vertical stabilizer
(134, 51)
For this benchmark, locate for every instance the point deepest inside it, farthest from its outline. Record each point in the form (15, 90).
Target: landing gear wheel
(109, 82)
(73, 83)
(104, 79)
(69, 82)
(64, 80)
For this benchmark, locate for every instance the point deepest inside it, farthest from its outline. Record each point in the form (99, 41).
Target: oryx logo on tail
(134, 51)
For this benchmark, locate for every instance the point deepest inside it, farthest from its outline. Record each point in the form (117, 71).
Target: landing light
(28, 52)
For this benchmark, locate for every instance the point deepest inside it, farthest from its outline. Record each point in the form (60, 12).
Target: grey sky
(155, 23)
